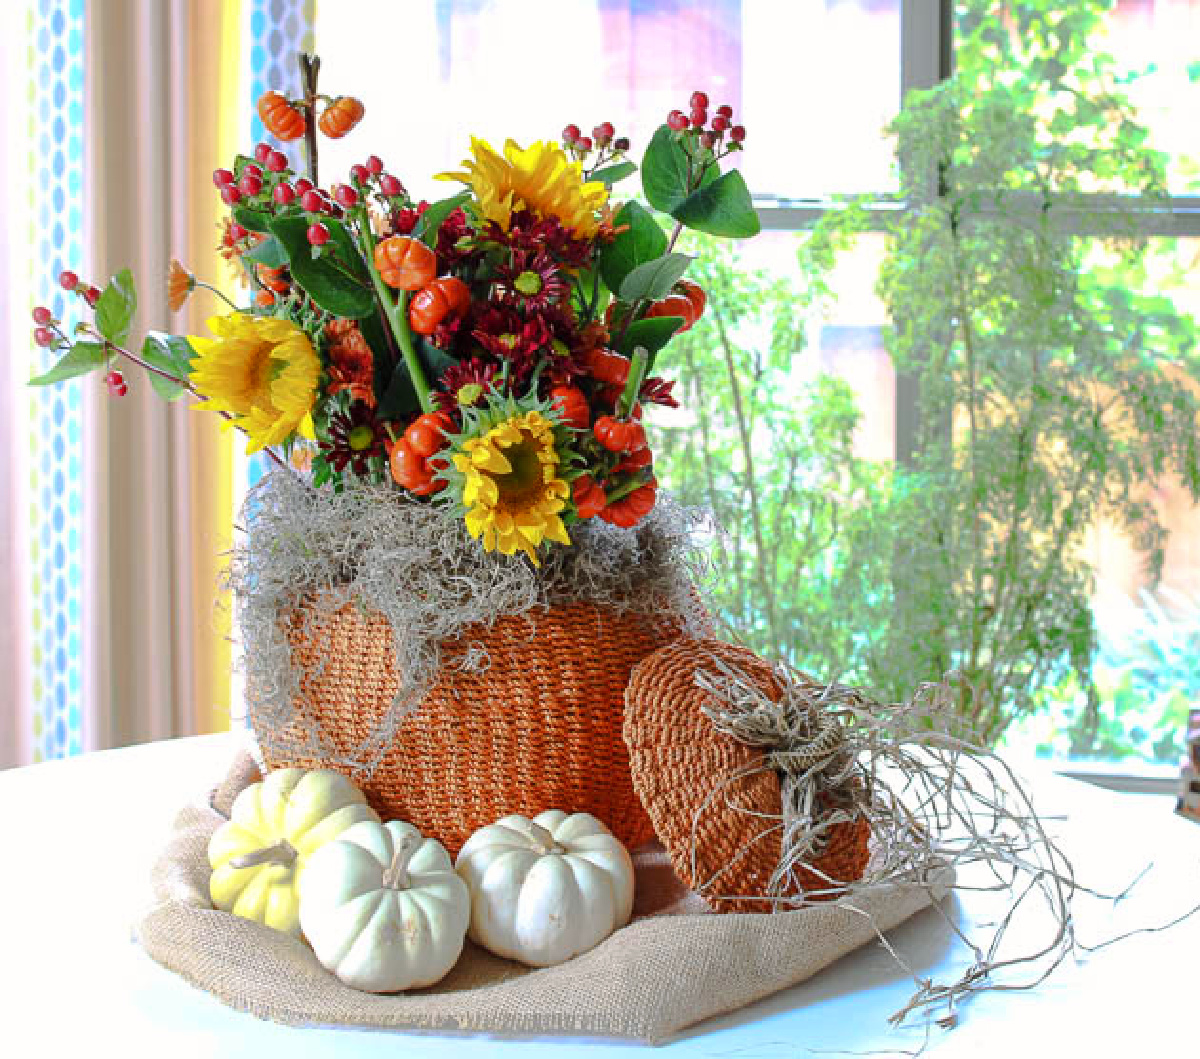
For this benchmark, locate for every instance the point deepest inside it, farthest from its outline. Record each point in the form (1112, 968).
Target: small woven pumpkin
(713, 805)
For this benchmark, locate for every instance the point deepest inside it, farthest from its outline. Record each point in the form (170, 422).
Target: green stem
(633, 383)
(397, 315)
(219, 294)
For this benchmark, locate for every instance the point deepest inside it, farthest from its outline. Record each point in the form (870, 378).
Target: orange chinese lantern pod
(280, 117)
(405, 263)
(445, 297)
(340, 117)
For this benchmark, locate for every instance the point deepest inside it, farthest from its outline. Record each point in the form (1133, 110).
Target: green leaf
(80, 359)
(338, 280)
(665, 171)
(431, 220)
(399, 398)
(643, 241)
(610, 174)
(170, 353)
(115, 309)
(269, 252)
(251, 219)
(653, 333)
(654, 279)
(722, 207)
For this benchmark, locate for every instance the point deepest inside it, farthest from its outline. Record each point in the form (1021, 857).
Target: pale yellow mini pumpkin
(547, 889)
(274, 827)
(382, 908)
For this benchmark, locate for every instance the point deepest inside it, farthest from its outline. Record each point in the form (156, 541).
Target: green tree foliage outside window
(1051, 393)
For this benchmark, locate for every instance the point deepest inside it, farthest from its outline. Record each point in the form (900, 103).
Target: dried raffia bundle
(792, 771)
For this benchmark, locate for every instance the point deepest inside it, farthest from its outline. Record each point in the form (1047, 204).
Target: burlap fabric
(674, 965)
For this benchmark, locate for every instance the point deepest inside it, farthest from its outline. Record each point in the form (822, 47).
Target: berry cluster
(712, 137)
(48, 332)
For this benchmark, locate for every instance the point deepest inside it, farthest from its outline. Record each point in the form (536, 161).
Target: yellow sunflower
(512, 491)
(263, 371)
(539, 179)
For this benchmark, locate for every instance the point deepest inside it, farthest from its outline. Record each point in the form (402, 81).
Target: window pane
(1095, 75)
(813, 81)
(768, 438)
(1148, 668)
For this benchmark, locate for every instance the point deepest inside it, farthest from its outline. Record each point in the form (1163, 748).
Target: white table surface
(79, 837)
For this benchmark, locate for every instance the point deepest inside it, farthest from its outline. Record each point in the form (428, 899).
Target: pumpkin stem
(544, 839)
(395, 877)
(283, 852)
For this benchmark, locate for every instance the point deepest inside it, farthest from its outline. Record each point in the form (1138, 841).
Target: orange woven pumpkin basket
(539, 728)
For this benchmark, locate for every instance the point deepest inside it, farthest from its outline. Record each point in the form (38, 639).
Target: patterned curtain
(113, 514)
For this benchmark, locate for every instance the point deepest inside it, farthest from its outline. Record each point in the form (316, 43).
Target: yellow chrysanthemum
(512, 490)
(263, 371)
(539, 179)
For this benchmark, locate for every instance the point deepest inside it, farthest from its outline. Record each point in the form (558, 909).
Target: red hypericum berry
(677, 120)
(263, 151)
(699, 101)
(390, 185)
(115, 382)
(699, 117)
(360, 174)
(236, 232)
(312, 201)
(91, 296)
(375, 164)
(276, 162)
(571, 133)
(68, 281)
(621, 143)
(231, 195)
(725, 110)
(583, 144)
(284, 194)
(303, 186)
(720, 123)
(250, 184)
(707, 139)
(605, 129)
(43, 336)
(221, 177)
(253, 170)
(737, 134)
(318, 234)
(345, 195)
(42, 315)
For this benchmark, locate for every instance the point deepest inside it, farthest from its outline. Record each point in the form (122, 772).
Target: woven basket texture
(722, 834)
(539, 728)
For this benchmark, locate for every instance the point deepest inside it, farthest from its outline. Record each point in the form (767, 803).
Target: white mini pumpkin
(383, 909)
(274, 826)
(547, 889)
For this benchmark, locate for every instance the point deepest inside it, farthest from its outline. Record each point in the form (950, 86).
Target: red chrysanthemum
(466, 384)
(531, 280)
(355, 437)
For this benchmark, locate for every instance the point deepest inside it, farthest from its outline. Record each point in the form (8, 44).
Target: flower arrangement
(491, 352)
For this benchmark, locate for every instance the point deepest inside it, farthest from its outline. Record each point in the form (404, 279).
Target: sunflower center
(361, 437)
(525, 478)
(528, 283)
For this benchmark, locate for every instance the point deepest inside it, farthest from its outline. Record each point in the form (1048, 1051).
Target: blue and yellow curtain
(87, 497)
